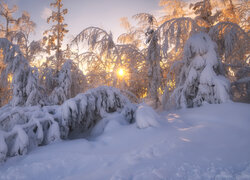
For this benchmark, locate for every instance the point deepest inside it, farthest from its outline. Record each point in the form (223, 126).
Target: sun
(120, 72)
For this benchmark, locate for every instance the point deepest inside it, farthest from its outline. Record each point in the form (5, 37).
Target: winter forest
(168, 98)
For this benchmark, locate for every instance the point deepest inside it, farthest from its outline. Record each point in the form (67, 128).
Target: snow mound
(110, 123)
(145, 117)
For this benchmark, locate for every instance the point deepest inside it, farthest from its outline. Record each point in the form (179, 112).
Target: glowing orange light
(120, 72)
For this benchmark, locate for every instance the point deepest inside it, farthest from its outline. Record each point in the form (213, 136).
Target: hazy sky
(83, 13)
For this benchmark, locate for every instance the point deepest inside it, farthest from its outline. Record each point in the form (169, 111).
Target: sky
(84, 13)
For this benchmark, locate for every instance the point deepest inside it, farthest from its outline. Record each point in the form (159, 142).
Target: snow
(21, 142)
(207, 142)
(3, 148)
(145, 117)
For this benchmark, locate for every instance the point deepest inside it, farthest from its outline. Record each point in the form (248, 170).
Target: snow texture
(23, 128)
(209, 142)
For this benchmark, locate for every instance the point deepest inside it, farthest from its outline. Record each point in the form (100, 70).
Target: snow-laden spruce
(201, 79)
(22, 128)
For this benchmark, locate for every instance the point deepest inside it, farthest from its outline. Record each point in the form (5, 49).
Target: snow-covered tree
(154, 70)
(132, 35)
(22, 37)
(85, 110)
(34, 90)
(101, 42)
(201, 79)
(231, 40)
(203, 12)
(5, 85)
(54, 36)
(24, 78)
(134, 65)
(23, 128)
(8, 30)
(79, 81)
(235, 11)
(153, 58)
(234, 52)
(97, 69)
(62, 85)
(62, 92)
(173, 9)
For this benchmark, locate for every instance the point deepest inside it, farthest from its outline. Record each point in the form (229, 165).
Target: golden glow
(120, 72)
(9, 79)
(231, 71)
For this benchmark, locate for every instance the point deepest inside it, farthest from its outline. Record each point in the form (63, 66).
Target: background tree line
(150, 53)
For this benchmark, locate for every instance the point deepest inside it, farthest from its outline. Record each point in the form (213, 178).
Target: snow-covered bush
(201, 79)
(145, 117)
(22, 128)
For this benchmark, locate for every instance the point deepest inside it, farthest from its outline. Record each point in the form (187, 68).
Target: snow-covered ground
(210, 142)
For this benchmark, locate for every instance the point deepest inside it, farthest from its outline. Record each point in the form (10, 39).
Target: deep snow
(209, 142)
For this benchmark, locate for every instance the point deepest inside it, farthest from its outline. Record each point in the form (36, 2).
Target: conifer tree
(54, 36)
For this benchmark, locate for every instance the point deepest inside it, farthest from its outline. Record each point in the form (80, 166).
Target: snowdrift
(206, 143)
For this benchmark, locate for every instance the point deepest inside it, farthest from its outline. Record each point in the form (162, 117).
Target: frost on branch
(201, 78)
(23, 128)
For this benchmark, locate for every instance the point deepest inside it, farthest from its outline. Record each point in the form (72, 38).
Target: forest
(195, 53)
